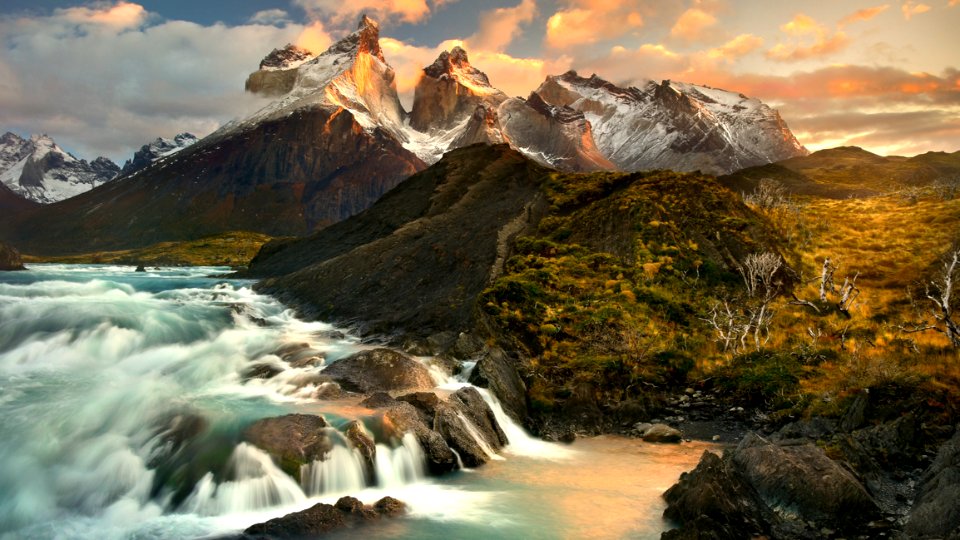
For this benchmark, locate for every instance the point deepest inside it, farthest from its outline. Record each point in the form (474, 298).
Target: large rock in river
(380, 370)
(292, 440)
(322, 518)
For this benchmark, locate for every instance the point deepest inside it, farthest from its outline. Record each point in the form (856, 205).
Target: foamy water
(100, 367)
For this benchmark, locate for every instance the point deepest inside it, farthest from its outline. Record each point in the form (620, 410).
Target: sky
(104, 77)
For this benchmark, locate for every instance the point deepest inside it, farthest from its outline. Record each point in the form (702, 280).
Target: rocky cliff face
(278, 71)
(39, 170)
(450, 91)
(557, 136)
(677, 126)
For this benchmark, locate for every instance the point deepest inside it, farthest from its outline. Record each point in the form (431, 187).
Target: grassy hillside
(227, 249)
(850, 171)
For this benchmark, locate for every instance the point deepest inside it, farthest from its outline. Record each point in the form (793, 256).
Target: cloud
(119, 16)
(737, 47)
(501, 26)
(314, 38)
(911, 8)
(270, 16)
(342, 13)
(810, 40)
(584, 22)
(105, 80)
(862, 15)
(693, 25)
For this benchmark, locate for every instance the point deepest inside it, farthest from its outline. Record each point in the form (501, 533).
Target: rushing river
(103, 370)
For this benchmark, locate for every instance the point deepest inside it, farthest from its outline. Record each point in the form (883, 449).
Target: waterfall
(258, 484)
(402, 465)
(342, 471)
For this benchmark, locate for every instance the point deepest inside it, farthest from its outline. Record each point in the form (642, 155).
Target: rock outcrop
(10, 258)
(278, 71)
(763, 488)
(936, 510)
(322, 518)
(449, 91)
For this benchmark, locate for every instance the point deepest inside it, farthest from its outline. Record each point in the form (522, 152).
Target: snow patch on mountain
(39, 170)
(157, 149)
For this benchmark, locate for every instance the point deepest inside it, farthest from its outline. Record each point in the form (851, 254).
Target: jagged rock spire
(368, 32)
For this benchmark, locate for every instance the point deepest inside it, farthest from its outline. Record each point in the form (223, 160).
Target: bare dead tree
(826, 278)
(728, 325)
(769, 194)
(947, 188)
(848, 294)
(940, 292)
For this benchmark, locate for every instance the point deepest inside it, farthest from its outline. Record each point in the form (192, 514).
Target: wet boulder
(499, 373)
(400, 418)
(936, 511)
(292, 440)
(364, 443)
(660, 433)
(324, 518)
(380, 370)
(469, 426)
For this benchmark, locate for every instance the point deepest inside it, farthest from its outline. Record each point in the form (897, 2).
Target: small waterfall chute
(257, 484)
(341, 471)
(405, 464)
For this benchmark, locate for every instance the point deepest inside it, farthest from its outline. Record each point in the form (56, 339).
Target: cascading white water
(98, 366)
(341, 472)
(257, 484)
(404, 464)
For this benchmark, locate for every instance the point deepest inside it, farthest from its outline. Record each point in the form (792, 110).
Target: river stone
(936, 512)
(499, 373)
(467, 405)
(401, 418)
(10, 258)
(801, 481)
(380, 370)
(662, 433)
(323, 518)
(364, 443)
(469, 401)
(292, 440)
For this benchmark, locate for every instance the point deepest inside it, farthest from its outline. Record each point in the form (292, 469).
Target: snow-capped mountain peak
(157, 149)
(39, 170)
(289, 57)
(675, 125)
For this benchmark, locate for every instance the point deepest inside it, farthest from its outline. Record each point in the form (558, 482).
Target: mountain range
(335, 138)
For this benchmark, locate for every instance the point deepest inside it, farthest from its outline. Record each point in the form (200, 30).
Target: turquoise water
(99, 365)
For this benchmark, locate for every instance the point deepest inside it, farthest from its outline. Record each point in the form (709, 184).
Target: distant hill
(849, 171)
